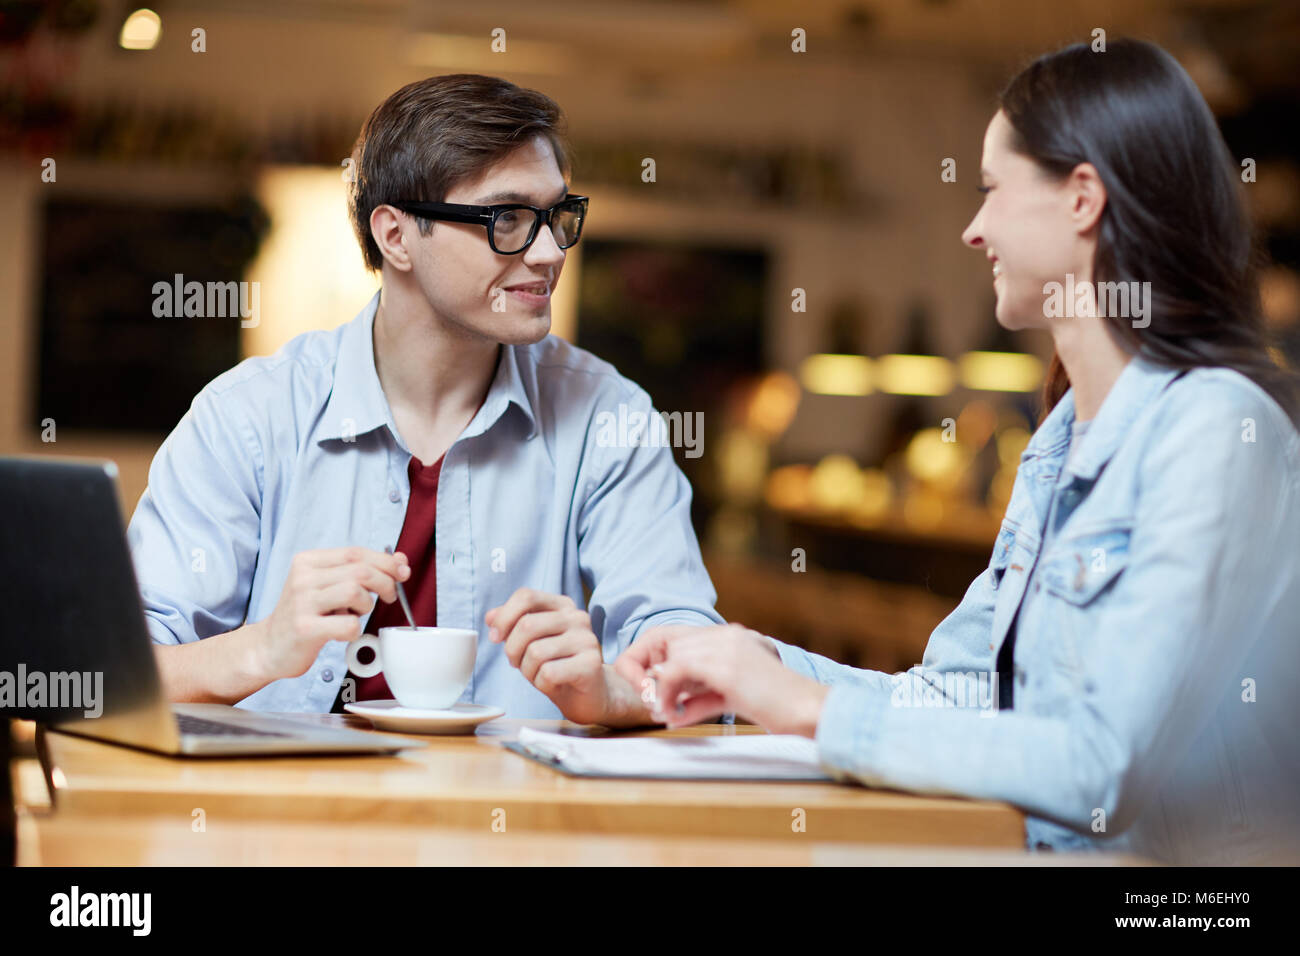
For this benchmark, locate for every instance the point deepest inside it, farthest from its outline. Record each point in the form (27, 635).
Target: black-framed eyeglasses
(511, 227)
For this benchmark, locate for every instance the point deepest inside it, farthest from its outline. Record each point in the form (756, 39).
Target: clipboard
(747, 758)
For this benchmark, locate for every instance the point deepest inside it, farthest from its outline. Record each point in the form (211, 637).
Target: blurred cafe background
(794, 272)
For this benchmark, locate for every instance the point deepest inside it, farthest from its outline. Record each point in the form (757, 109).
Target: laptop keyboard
(199, 726)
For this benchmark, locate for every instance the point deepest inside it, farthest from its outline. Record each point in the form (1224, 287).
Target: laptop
(75, 652)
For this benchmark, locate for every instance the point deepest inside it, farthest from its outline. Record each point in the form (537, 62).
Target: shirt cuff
(684, 616)
(159, 632)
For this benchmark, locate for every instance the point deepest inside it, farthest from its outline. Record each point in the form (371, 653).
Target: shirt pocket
(1077, 572)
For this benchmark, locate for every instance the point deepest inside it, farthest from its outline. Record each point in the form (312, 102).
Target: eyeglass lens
(513, 227)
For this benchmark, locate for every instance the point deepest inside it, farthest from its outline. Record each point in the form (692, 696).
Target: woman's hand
(701, 673)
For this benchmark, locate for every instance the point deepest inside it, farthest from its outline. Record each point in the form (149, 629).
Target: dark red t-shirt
(417, 542)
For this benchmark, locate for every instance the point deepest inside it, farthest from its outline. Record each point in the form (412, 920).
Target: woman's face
(1025, 228)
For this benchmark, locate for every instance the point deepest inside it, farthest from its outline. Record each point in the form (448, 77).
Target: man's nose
(544, 248)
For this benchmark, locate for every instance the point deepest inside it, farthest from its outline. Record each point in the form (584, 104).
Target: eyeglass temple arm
(447, 214)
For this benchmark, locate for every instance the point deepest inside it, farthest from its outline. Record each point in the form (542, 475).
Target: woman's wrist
(800, 706)
(813, 702)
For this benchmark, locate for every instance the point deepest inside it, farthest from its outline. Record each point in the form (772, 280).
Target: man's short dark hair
(433, 133)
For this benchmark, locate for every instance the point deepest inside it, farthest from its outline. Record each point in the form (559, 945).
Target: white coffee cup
(427, 668)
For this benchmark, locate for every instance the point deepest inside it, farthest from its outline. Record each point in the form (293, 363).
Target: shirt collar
(508, 388)
(357, 403)
(1137, 385)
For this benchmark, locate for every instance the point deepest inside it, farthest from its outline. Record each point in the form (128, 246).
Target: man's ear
(386, 229)
(1087, 196)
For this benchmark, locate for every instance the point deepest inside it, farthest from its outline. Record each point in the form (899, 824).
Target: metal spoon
(401, 596)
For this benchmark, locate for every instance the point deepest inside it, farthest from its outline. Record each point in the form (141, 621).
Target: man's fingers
(546, 649)
(367, 575)
(533, 626)
(390, 564)
(561, 671)
(336, 627)
(522, 602)
(345, 595)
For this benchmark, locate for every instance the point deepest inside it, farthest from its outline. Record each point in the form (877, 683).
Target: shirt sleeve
(1156, 658)
(636, 546)
(195, 534)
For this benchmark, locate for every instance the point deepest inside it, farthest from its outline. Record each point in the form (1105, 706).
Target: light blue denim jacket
(298, 451)
(1157, 659)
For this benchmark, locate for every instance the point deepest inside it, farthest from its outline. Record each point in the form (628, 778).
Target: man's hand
(550, 640)
(324, 599)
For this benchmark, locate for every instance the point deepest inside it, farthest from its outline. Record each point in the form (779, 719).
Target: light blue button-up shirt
(298, 451)
(1157, 659)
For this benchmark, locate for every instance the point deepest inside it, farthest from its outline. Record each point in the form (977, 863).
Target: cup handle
(358, 668)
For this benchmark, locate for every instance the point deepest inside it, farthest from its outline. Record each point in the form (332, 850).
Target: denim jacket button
(394, 496)
(327, 675)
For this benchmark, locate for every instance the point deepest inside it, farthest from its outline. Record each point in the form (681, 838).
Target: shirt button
(327, 675)
(394, 496)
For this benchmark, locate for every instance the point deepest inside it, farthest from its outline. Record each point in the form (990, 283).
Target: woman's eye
(984, 189)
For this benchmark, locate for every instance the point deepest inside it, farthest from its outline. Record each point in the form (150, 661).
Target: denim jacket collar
(1137, 385)
(357, 403)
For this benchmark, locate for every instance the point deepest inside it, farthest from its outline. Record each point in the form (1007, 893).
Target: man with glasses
(444, 423)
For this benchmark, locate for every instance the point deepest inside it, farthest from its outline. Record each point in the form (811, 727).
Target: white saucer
(390, 715)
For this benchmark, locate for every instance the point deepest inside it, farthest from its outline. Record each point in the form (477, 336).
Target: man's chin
(525, 329)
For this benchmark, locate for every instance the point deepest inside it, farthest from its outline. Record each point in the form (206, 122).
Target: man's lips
(534, 288)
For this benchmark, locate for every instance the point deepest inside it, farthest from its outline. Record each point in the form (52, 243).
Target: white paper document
(742, 757)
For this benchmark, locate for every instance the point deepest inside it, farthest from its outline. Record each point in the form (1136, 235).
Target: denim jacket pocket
(1080, 566)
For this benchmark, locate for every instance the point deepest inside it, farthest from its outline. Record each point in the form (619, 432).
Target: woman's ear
(1087, 197)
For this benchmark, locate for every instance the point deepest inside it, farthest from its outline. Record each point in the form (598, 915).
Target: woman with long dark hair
(1126, 669)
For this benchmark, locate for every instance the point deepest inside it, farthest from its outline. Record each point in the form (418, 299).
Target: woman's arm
(1212, 565)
